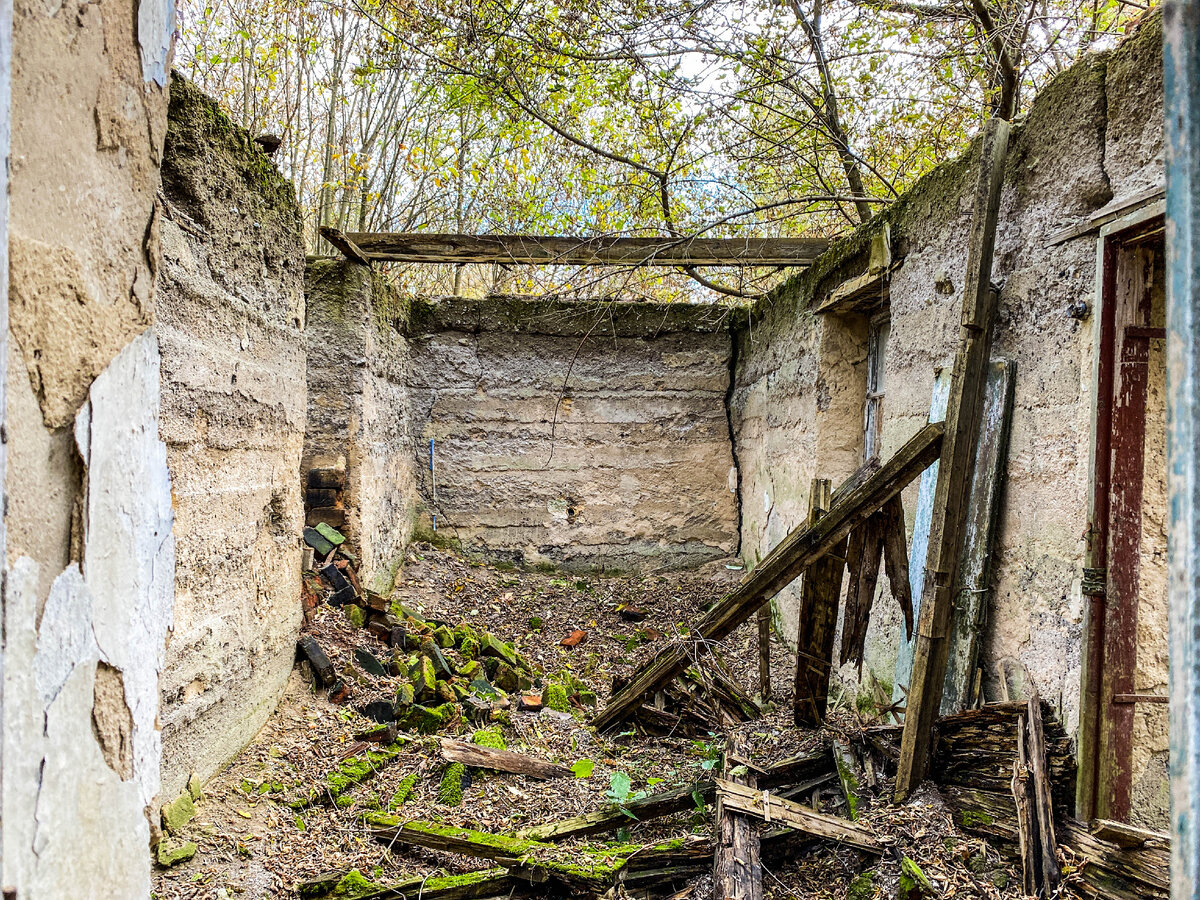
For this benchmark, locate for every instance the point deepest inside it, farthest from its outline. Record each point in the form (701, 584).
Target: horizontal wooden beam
(577, 251)
(858, 498)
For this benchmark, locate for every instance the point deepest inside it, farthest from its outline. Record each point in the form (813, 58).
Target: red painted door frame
(1106, 727)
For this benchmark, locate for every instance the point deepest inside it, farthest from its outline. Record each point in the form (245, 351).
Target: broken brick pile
(436, 674)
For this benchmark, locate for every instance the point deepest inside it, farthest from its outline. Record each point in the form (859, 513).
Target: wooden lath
(574, 251)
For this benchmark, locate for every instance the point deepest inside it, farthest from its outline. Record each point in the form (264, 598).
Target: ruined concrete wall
(89, 549)
(1095, 133)
(624, 464)
(230, 311)
(358, 455)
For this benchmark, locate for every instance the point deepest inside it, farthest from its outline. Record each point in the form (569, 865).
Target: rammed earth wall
(230, 314)
(576, 435)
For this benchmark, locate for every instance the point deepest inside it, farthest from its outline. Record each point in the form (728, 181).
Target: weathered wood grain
(500, 760)
(786, 812)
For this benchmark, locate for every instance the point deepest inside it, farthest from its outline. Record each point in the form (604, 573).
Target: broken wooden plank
(793, 555)
(345, 244)
(973, 582)
(1027, 825)
(895, 559)
(471, 886)
(850, 776)
(1127, 837)
(610, 818)
(820, 592)
(766, 806)
(500, 760)
(737, 866)
(1114, 873)
(764, 653)
(862, 562)
(967, 385)
(542, 250)
(1050, 875)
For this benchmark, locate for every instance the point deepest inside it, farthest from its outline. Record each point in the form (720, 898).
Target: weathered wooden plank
(472, 886)
(500, 760)
(1114, 873)
(1043, 806)
(920, 538)
(764, 652)
(967, 385)
(862, 562)
(895, 559)
(1127, 837)
(972, 584)
(817, 621)
(793, 555)
(343, 243)
(542, 250)
(737, 866)
(769, 808)
(610, 818)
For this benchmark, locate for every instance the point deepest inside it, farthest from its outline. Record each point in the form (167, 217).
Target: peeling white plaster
(72, 827)
(129, 552)
(155, 28)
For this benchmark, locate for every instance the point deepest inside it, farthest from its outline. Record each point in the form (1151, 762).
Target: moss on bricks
(178, 813)
(171, 852)
(556, 698)
(450, 790)
(403, 791)
(489, 737)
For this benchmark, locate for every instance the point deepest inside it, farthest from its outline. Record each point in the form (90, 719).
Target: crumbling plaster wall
(358, 413)
(230, 312)
(576, 435)
(1093, 134)
(89, 551)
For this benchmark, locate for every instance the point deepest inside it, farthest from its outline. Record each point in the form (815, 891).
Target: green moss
(444, 637)
(424, 719)
(443, 540)
(913, 882)
(171, 853)
(403, 791)
(490, 737)
(353, 885)
(351, 773)
(971, 818)
(850, 785)
(535, 624)
(178, 813)
(450, 790)
(357, 615)
(862, 887)
(556, 698)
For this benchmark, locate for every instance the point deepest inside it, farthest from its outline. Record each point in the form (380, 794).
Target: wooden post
(819, 594)
(737, 868)
(967, 385)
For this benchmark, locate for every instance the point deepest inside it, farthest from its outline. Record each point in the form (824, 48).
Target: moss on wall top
(551, 316)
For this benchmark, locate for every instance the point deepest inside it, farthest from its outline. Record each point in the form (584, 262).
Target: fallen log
(500, 760)
(793, 555)
(769, 808)
(737, 865)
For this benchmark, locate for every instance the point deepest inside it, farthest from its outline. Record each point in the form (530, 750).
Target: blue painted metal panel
(1181, 19)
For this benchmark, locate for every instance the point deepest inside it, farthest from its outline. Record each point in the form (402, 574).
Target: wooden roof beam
(577, 251)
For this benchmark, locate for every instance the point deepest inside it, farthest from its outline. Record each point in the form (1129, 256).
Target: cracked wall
(230, 313)
(89, 551)
(576, 435)
(1092, 135)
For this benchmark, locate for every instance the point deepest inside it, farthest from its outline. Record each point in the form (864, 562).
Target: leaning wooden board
(851, 505)
(972, 587)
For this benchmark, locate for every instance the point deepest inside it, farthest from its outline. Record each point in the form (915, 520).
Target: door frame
(1102, 788)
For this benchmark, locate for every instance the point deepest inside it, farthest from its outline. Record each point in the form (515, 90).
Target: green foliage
(583, 768)
(490, 737)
